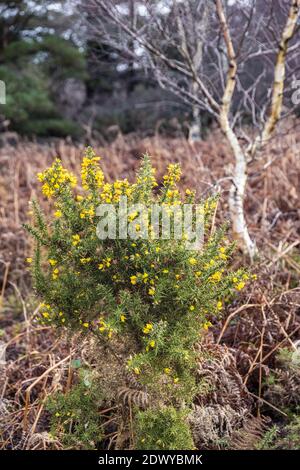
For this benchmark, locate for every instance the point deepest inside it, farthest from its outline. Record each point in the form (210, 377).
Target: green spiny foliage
(75, 418)
(162, 429)
(285, 437)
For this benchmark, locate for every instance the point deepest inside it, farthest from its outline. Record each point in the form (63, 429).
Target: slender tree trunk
(237, 196)
(279, 78)
(237, 193)
(195, 131)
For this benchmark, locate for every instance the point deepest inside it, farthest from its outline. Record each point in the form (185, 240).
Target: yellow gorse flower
(173, 175)
(192, 261)
(240, 285)
(55, 273)
(133, 216)
(151, 291)
(55, 179)
(92, 176)
(148, 328)
(85, 260)
(89, 212)
(216, 277)
(105, 263)
(75, 240)
(52, 262)
(206, 325)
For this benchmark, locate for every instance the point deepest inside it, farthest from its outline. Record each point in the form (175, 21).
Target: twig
(229, 318)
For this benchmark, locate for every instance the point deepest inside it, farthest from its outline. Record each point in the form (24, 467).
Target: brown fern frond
(129, 396)
(217, 366)
(249, 435)
(213, 425)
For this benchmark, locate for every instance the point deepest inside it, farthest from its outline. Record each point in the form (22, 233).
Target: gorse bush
(153, 295)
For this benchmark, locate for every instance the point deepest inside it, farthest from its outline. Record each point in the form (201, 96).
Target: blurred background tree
(38, 54)
(62, 82)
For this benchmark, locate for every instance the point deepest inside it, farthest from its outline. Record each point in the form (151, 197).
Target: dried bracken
(129, 396)
(213, 425)
(249, 435)
(217, 368)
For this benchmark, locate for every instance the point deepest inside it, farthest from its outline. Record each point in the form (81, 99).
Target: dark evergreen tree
(37, 53)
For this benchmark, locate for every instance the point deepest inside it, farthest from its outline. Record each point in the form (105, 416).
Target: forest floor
(255, 343)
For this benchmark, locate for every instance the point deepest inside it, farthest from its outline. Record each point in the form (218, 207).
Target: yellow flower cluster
(55, 273)
(206, 325)
(210, 205)
(75, 240)
(132, 216)
(103, 327)
(145, 279)
(107, 193)
(85, 260)
(216, 277)
(241, 282)
(222, 253)
(173, 197)
(52, 262)
(148, 328)
(89, 212)
(105, 263)
(173, 175)
(150, 345)
(210, 264)
(192, 261)
(58, 213)
(46, 310)
(121, 188)
(151, 291)
(55, 178)
(48, 314)
(111, 192)
(91, 174)
(240, 285)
